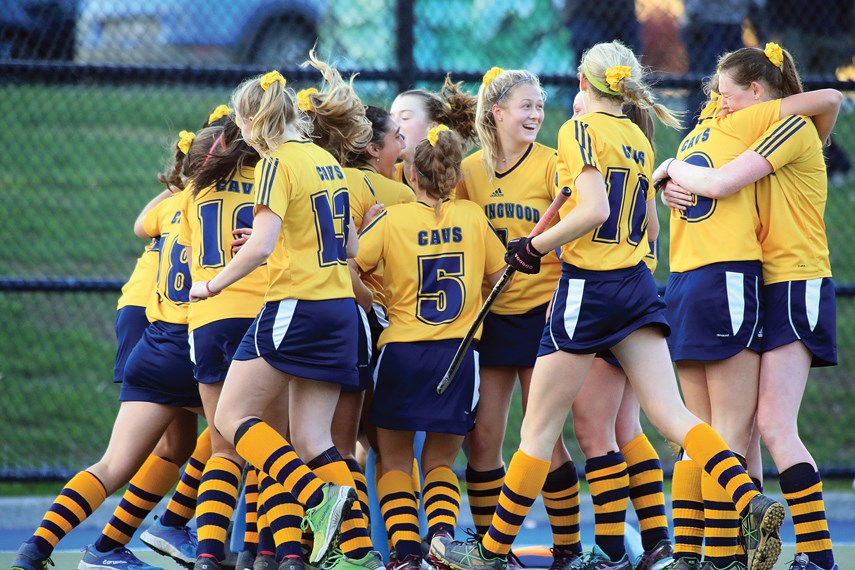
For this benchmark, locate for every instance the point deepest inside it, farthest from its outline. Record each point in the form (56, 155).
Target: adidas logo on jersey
(497, 193)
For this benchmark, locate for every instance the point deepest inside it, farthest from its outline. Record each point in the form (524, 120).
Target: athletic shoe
(464, 555)
(325, 519)
(265, 562)
(732, 566)
(411, 562)
(292, 563)
(563, 558)
(802, 562)
(120, 558)
(336, 560)
(31, 558)
(179, 543)
(658, 557)
(598, 560)
(245, 560)
(685, 563)
(207, 563)
(760, 532)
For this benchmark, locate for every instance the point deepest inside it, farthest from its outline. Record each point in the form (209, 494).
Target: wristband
(210, 291)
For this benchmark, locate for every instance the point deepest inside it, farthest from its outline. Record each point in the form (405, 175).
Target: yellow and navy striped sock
(262, 446)
(218, 493)
(561, 499)
(417, 479)
(704, 445)
(609, 485)
(250, 494)
(802, 488)
(523, 484)
(182, 505)
(284, 515)
(483, 489)
(645, 490)
(150, 484)
(354, 541)
(687, 509)
(441, 500)
(77, 500)
(361, 483)
(400, 512)
(722, 545)
(266, 544)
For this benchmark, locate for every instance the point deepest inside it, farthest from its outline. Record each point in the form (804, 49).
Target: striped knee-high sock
(645, 490)
(400, 512)
(722, 545)
(355, 541)
(266, 544)
(442, 500)
(704, 445)
(218, 493)
(284, 515)
(361, 483)
(250, 494)
(150, 484)
(523, 484)
(561, 499)
(182, 505)
(609, 485)
(77, 500)
(687, 509)
(264, 447)
(417, 480)
(483, 489)
(802, 488)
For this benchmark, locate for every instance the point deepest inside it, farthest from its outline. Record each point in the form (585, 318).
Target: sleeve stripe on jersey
(267, 177)
(374, 222)
(584, 140)
(789, 127)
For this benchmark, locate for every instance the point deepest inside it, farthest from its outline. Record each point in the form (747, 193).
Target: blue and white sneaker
(30, 558)
(119, 558)
(177, 543)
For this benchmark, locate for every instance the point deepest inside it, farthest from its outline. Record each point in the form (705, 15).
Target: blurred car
(37, 29)
(187, 32)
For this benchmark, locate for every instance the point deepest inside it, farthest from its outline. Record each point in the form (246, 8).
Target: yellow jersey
(361, 194)
(399, 176)
(387, 191)
(207, 221)
(433, 267)
(305, 186)
(615, 146)
(651, 260)
(514, 201)
(713, 231)
(137, 290)
(791, 202)
(171, 296)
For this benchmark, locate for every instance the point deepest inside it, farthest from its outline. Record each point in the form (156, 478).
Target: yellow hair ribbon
(218, 113)
(185, 139)
(304, 103)
(433, 134)
(491, 75)
(270, 78)
(775, 54)
(599, 85)
(616, 74)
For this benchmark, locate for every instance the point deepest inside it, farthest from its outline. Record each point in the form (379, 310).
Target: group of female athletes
(310, 251)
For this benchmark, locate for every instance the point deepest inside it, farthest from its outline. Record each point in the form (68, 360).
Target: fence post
(404, 44)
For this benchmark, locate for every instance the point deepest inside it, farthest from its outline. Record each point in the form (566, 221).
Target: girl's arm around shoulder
(139, 223)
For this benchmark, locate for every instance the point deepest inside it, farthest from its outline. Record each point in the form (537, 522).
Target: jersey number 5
(441, 289)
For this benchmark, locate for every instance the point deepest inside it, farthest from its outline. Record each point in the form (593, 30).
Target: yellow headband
(598, 85)
(304, 103)
(433, 134)
(185, 139)
(270, 78)
(775, 54)
(491, 75)
(218, 113)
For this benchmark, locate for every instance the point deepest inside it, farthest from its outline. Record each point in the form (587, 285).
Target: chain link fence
(93, 93)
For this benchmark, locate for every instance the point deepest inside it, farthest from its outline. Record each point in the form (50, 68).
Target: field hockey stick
(545, 220)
